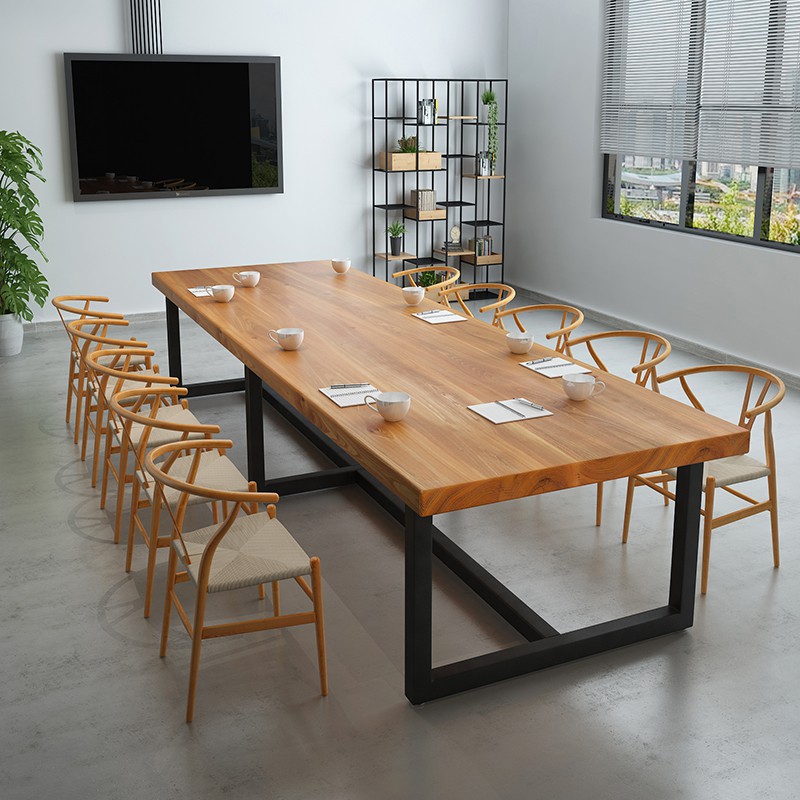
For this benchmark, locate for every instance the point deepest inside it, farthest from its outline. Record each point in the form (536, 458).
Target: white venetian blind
(750, 101)
(650, 78)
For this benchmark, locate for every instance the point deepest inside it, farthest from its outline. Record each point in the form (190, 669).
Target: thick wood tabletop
(442, 456)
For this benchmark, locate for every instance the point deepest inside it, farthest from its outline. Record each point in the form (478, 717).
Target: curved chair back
(571, 318)
(654, 349)
(447, 277)
(505, 294)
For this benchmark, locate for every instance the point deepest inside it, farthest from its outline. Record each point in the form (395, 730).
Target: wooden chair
(451, 275)
(723, 473)
(149, 418)
(91, 336)
(109, 373)
(76, 376)
(654, 349)
(244, 549)
(571, 318)
(505, 294)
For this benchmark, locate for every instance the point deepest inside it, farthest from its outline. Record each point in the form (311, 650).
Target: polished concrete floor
(89, 710)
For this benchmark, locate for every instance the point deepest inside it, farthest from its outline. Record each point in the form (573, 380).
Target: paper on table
(498, 414)
(351, 396)
(437, 317)
(200, 291)
(554, 367)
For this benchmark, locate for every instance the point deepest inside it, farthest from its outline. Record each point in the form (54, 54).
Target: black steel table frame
(544, 645)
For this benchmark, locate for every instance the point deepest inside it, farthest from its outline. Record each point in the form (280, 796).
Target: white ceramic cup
(247, 278)
(340, 265)
(414, 295)
(287, 338)
(580, 386)
(392, 406)
(222, 293)
(519, 342)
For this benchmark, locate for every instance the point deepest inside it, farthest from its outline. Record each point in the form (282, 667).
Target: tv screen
(145, 126)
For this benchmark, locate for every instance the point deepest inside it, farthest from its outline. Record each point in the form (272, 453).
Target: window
(700, 116)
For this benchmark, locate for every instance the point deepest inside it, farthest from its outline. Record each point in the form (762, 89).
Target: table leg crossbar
(544, 646)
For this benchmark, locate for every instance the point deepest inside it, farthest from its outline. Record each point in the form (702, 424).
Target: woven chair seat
(176, 414)
(729, 471)
(255, 550)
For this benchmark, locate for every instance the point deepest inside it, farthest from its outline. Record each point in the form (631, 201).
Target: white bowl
(340, 265)
(519, 342)
(414, 295)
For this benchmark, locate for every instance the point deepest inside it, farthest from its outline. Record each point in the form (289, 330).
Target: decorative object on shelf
(396, 232)
(426, 112)
(489, 99)
(20, 277)
(454, 242)
(483, 163)
(404, 159)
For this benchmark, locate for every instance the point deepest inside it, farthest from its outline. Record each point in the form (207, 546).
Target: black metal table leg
(419, 593)
(174, 342)
(254, 417)
(685, 538)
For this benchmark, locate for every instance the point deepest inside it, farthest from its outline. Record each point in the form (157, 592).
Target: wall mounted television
(144, 126)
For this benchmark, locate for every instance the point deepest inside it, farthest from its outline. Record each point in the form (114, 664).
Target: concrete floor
(89, 710)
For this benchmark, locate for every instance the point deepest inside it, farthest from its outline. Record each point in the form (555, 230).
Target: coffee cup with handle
(392, 406)
(581, 386)
(247, 277)
(287, 338)
(222, 293)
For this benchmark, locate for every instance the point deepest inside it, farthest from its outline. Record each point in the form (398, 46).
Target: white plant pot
(10, 335)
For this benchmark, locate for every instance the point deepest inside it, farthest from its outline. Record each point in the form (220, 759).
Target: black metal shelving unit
(476, 204)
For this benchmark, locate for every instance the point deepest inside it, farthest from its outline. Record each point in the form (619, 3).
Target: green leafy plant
(396, 229)
(21, 227)
(489, 99)
(407, 144)
(427, 278)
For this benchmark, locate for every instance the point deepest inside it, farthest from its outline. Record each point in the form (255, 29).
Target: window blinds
(712, 80)
(650, 88)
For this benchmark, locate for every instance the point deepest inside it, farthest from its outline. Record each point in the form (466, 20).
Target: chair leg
(319, 625)
(708, 522)
(172, 568)
(598, 517)
(87, 422)
(628, 508)
(151, 557)
(197, 640)
(106, 468)
(276, 598)
(81, 384)
(132, 526)
(99, 430)
(773, 517)
(122, 479)
(70, 383)
(261, 593)
(665, 485)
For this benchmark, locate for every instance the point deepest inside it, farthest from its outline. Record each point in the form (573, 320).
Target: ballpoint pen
(525, 402)
(508, 408)
(538, 361)
(346, 385)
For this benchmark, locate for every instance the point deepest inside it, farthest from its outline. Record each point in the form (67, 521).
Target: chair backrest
(65, 308)
(762, 392)
(447, 277)
(571, 318)
(141, 406)
(505, 294)
(654, 349)
(158, 463)
(110, 368)
(92, 333)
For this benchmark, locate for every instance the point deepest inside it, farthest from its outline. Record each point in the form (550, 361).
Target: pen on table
(541, 360)
(346, 385)
(525, 402)
(431, 311)
(508, 408)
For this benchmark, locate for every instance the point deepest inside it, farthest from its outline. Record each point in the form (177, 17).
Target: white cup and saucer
(287, 338)
(222, 292)
(581, 386)
(392, 406)
(247, 277)
(519, 342)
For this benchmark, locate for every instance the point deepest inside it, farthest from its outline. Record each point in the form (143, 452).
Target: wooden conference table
(443, 457)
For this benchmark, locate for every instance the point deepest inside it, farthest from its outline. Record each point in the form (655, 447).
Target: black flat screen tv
(144, 126)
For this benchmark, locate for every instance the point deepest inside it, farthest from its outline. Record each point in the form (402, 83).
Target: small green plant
(20, 278)
(427, 278)
(396, 229)
(489, 99)
(407, 144)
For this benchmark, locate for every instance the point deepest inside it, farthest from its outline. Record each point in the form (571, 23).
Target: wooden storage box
(407, 162)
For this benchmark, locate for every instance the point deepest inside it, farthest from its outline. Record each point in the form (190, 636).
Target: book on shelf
(423, 199)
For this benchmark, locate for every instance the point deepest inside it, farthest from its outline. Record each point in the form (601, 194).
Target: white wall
(739, 299)
(329, 53)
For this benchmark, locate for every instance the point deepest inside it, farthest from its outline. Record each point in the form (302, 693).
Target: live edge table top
(442, 456)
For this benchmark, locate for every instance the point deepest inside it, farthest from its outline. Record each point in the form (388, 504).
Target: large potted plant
(21, 231)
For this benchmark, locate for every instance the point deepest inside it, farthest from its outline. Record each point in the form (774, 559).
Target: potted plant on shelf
(405, 157)
(21, 230)
(396, 231)
(489, 99)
